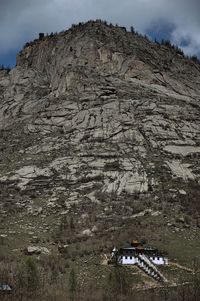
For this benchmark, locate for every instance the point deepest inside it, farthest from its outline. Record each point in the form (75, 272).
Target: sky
(22, 20)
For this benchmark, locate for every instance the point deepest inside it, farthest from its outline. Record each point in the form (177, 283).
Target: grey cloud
(21, 20)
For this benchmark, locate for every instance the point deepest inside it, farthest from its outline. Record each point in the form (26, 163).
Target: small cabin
(5, 288)
(131, 254)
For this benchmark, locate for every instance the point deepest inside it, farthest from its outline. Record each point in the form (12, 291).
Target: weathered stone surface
(96, 123)
(32, 250)
(87, 232)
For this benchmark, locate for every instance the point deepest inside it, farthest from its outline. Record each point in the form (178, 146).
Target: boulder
(63, 248)
(87, 232)
(183, 192)
(180, 219)
(33, 250)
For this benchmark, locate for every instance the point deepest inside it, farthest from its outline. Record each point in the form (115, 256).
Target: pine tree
(32, 274)
(72, 284)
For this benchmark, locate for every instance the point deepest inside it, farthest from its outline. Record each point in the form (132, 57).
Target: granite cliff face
(99, 124)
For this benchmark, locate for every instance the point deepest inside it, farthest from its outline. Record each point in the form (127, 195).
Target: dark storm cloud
(21, 20)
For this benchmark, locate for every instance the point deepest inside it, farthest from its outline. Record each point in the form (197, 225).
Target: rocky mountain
(99, 135)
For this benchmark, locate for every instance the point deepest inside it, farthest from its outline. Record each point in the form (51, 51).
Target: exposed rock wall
(93, 114)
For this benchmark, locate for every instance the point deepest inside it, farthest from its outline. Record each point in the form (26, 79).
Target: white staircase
(146, 265)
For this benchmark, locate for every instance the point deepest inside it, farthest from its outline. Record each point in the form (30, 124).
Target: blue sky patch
(9, 59)
(160, 30)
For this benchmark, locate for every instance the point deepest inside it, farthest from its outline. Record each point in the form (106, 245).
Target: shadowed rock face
(96, 119)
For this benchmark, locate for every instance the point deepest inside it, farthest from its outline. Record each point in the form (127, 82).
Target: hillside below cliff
(99, 142)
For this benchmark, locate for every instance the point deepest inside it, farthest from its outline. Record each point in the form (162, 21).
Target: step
(149, 268)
